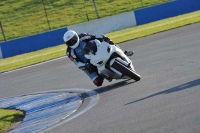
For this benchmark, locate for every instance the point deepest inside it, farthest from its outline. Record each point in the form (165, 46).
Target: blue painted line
(48, 109)
(43, 110)
(49, 105)
(50, 112)
(34, 99)
(10, 101)
(48, 118)
(6, 99)
(41, 101)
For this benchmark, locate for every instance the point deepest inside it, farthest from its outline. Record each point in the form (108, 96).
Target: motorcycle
(110, 61)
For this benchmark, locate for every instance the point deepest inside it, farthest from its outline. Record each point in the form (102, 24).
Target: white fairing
(103, 54)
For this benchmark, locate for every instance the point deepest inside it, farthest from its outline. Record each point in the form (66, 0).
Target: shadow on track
(109, 87)
(114, 86)
(171, 90)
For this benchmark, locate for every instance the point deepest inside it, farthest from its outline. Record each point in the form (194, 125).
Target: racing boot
(108, 79)
(129, 53)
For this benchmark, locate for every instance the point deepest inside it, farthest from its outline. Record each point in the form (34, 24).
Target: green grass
(27, 17)
(7, 117)
(118, 37)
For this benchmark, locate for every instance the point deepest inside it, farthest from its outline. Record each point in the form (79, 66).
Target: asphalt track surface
(165, 100)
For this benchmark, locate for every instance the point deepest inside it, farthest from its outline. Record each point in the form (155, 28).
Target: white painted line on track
(33, 65)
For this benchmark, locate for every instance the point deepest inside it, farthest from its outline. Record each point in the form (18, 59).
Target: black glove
(104, 38)
(108, 40)
(89, 67)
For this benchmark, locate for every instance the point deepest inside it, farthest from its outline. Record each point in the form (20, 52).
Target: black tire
(126, 71)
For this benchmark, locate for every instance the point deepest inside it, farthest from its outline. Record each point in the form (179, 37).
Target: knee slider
(98, 81)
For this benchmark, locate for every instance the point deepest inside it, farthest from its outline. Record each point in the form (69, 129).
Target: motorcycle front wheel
(126, 71)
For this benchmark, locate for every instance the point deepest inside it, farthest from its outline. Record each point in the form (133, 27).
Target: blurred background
(20, 18)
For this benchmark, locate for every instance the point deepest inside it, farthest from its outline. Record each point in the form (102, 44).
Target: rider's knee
(98, 81)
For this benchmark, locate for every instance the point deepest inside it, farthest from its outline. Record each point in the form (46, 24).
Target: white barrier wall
(107, 24)
(1, 57)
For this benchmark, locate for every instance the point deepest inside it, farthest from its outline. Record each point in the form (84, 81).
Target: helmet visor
(72, 41)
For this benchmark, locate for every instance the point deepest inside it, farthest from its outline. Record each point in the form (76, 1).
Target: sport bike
(110, 61)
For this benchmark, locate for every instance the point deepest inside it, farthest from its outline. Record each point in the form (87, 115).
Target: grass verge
(118, 37)
(7, 117)
(28, 17)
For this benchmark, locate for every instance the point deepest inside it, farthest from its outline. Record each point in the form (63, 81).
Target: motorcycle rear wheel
(126, 71)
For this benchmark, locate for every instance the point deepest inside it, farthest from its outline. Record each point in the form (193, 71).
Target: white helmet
(71, 39)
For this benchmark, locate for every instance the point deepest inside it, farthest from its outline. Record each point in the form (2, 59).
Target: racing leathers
(78, 57)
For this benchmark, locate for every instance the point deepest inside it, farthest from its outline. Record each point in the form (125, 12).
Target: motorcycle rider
(75, 52)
